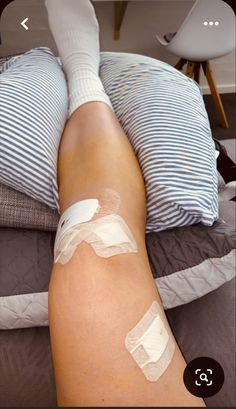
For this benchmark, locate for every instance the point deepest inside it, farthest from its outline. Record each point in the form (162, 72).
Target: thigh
(96, 155)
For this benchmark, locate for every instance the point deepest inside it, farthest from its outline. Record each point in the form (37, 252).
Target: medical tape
(151, 343)
(95, 222)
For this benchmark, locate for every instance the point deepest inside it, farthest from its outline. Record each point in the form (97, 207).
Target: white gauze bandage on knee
(96, 222)
(151, 343)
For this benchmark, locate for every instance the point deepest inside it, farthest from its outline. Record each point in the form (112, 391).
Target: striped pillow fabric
(160, 109)
(33, 112)
(163, 113)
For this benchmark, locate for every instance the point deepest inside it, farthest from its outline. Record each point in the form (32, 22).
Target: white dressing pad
(79, 212)
(151, 343)
(108, 235)
(156, 331)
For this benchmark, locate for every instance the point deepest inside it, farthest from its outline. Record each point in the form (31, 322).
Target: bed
(204, 326)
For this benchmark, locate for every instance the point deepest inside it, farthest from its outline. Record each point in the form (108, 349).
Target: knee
(89, 285)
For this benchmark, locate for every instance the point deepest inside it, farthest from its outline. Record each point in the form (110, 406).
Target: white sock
(75, 29)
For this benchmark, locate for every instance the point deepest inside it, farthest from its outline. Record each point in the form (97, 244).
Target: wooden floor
(229, 102)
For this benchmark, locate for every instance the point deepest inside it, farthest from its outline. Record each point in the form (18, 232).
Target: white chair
(207, 32)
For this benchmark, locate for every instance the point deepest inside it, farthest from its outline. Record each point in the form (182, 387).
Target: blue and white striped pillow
(163, 113)
(33, 112)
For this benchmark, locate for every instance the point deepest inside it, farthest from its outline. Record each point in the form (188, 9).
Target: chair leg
(119, 12)
(216, 96)
(197, 72)
(190, 69)
(180, 64)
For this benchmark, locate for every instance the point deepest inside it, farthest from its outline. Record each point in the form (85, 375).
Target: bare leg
(94, 302)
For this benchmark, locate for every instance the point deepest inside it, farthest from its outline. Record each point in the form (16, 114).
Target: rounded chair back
(207, 32)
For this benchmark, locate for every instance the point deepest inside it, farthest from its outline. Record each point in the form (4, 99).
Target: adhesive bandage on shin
(151, 343)
(96, 222)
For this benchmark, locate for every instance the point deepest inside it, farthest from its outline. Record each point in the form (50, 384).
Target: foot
(76, 32)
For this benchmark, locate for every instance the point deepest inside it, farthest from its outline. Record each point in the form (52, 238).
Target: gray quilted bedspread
(26, 258)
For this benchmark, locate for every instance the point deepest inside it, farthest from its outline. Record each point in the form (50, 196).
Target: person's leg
(93, 301)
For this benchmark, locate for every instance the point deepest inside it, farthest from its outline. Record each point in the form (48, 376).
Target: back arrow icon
(23, 23)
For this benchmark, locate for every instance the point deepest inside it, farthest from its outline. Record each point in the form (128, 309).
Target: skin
(94, 302)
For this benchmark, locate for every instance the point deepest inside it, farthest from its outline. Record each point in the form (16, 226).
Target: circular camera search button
(203, 377)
